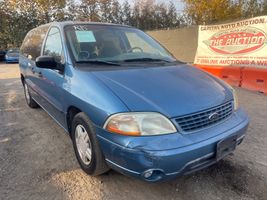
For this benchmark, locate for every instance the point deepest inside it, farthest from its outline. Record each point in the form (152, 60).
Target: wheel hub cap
(83, 144)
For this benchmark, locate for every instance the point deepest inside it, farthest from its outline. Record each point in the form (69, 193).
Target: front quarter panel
(91, 96)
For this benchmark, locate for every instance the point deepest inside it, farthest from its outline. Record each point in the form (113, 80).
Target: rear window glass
(32, 43)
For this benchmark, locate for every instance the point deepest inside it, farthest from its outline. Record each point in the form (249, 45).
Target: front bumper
(12, 60)
(136, 156)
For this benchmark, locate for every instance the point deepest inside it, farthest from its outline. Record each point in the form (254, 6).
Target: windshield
(113, 44)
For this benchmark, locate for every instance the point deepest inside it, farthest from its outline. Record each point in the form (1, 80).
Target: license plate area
(226, 146)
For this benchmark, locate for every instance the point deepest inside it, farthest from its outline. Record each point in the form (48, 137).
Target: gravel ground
(37, 159)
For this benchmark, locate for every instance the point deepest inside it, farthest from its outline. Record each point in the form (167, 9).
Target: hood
(173, 90)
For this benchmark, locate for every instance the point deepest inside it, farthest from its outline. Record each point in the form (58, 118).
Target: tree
(17, 17)
(136, 15)
(252, 8)
(146, 18)
(16, 23)
(205, 12)
(71, 10)
(161, 16)
(105, 7)
(126, 13)
(116, 12)
(89, 10)
(45, 9)
(149, 15)
(172, 18)
(264, 7)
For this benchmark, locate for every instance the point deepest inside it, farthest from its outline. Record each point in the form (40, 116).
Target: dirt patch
(72, 181)
(9, 71)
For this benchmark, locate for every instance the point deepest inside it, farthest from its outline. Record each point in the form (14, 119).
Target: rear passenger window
(53, 45)
(32, 44)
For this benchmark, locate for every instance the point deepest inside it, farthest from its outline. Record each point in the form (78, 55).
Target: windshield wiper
(146, 60)
(100, 62)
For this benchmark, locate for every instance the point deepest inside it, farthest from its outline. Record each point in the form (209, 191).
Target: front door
(52, 81)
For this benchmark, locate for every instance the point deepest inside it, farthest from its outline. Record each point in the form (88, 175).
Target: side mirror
(47, 62)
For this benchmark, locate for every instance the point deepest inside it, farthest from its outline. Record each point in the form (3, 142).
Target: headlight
(234, 95)
(139, 124)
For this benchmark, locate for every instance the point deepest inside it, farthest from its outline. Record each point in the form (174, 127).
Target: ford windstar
(127, 103)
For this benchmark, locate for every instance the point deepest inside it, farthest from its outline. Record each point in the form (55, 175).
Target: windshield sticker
(85, 36)
(80, 28)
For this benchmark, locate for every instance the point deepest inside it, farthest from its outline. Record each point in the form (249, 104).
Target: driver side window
(53, 45)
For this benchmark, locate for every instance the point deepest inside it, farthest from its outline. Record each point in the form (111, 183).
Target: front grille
(203, 119)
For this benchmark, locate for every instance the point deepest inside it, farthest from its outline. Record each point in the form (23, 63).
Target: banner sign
(242, 43)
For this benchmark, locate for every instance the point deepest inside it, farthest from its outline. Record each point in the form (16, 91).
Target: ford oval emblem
(213, 116)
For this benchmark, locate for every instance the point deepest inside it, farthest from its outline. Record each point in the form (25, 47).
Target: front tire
(86, 147)
(29, 100)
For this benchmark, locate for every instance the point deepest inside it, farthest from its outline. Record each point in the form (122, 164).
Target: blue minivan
(127, 103)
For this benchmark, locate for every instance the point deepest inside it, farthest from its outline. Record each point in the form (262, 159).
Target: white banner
(241, 43)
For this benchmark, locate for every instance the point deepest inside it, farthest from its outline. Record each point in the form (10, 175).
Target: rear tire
(29, 100)
(86, 146)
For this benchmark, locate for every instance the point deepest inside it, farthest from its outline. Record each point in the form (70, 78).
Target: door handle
(40, 74)
(32, 69)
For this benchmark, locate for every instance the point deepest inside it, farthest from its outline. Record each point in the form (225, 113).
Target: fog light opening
(153, 174)
(148, 174)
